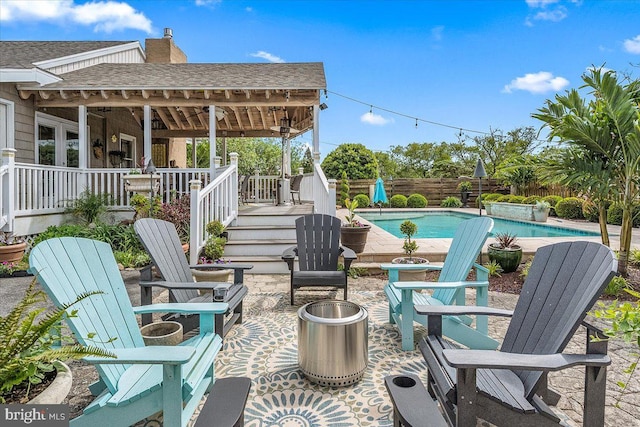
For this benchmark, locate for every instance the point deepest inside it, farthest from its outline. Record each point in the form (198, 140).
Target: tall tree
(607, 125)
(498, 149)
(354, 159)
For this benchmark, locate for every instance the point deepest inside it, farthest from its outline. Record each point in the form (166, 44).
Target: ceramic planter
(508, 258)
(411, 275)
(464, 197)
(12, 253)
(540, 215)
(220, 276)
(58, 390)
(162, 333)
(354, 237)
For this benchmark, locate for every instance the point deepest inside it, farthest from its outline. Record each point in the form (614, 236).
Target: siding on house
(24, 123)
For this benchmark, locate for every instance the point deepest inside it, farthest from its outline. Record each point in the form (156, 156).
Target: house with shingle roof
(77, 116)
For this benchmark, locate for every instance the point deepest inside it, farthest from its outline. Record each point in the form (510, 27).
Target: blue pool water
(443, 225)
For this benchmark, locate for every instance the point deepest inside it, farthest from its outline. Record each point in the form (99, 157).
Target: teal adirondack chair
(142, 380)
(449, 290)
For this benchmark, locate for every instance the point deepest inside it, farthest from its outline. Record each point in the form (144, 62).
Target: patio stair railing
(324, 192)
(6, 188)
(216, 201)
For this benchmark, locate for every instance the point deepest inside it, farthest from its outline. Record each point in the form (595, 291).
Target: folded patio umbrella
(379, 195)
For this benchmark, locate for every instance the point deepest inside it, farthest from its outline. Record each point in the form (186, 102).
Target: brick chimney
(164, 50)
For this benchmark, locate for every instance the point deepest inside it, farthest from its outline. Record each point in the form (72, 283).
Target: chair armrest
(290, 253)
(186, 308)
(224, 266)
(440, 285)
(348, 253)
(156, 355)
(186, 285)
(489, 359)
(456, 310)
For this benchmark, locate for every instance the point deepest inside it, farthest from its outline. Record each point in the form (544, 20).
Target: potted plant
(212, 254)
(465, 190)
(31, 354)
(409, 247)
(541, 211)
(505, 252)
(353, 233)
(11, 247)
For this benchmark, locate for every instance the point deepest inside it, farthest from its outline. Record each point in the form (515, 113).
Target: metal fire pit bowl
(333, 342)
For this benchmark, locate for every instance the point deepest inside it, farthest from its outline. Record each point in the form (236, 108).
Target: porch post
(212, 142)
(331, 208)
(316, 129)
(195, 224)
(83, 143)
(8, 186)
(147, 136)
(233, 160)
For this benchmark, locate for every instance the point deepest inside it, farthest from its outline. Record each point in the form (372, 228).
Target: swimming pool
(441, 224)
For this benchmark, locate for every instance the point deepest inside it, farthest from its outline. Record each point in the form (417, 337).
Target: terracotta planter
(508, 258)
(411, 275)
(162, 333)
(354, 237)
(12, 253)
(58, 390)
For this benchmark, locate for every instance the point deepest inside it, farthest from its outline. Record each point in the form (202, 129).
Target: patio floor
(264, 348)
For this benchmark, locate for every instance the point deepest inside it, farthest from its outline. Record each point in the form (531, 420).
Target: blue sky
(472, 65)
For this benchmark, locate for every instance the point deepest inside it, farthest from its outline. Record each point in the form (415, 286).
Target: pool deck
(382, 246)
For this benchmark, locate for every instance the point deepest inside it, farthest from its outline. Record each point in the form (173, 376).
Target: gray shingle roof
(22, 54)
(307, 75)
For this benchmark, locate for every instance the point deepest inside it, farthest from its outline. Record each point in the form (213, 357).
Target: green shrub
(494, 268)
(531, 200)
(89, 207)
(132, 259)
(590, 211)
(398, 201)
(214, 248)
(516, 199)
(215, 228)
(616, 286)
(569, 208)
(363, 200)
(614, 214)
(417, 201)
(525, 270)
(553, 201)
(344, 188)
(504, 198)
(491, 197)
(67, 230)
(634, 257)
(451, 202)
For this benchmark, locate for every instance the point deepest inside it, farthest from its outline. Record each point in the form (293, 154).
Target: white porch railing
(324, 192)
(216, 201)
(262, 188)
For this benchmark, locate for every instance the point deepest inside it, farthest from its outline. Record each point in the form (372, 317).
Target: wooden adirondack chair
(467, 243)
(318, 249)
(142, 380)
(509, 387)
(161, 241)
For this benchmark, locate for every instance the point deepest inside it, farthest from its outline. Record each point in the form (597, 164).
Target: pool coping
(382, 246)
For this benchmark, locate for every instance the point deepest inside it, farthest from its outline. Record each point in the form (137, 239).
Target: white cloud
(632, 45)
(207, 2)
(374, 119)
(540, 3)
(105, 16)
(436, 32)
(268, 56)
(555, 15)
(540, 82)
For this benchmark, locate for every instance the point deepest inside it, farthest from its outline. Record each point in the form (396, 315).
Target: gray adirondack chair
(294, 188)
(450, 288)
(142, 380)
(161, 241)
(509, 387)
(318, 250)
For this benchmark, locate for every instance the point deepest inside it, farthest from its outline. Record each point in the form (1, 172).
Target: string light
(416, 123)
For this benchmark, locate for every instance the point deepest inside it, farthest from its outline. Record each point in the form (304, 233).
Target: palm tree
(606, 126)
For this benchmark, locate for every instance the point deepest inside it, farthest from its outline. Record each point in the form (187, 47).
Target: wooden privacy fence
(438, 189)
